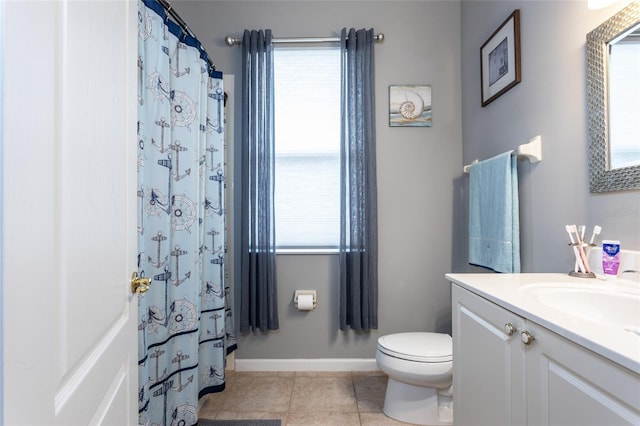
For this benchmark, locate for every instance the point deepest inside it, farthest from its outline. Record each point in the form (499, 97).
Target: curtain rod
(178, 19)
(237, 41)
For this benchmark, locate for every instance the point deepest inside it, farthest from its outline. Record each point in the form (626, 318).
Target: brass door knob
(139, 285)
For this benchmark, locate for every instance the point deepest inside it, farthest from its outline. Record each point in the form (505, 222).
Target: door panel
(488, 364)
(69, 225)
(570, 385)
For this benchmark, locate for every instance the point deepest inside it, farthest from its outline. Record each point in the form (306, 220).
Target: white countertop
(512, 291)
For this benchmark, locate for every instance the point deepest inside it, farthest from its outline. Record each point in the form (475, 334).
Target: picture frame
(410, 106)
(500, 59)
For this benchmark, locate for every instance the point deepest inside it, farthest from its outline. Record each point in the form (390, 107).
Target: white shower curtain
(185, 322)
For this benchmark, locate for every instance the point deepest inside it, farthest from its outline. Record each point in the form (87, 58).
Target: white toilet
(420, 370)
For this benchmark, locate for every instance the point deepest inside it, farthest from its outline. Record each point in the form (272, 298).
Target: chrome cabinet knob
(509, 329)
(527, 338)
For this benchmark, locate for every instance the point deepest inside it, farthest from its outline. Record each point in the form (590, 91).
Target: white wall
(416, 167)
(551, 101)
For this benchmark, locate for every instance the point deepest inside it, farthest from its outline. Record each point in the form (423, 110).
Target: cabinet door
(570, 385)
(488, 363)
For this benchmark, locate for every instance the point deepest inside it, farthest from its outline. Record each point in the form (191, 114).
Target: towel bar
(531, 150)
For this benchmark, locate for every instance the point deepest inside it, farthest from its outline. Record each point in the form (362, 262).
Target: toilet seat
(418, 346)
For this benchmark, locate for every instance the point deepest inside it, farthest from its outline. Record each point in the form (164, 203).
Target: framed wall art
(500, 59)
(409, 106)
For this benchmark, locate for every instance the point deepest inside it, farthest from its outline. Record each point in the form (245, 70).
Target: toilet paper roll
(305, 302)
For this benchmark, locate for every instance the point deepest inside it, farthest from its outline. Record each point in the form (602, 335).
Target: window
(307, 146)
(624, 87)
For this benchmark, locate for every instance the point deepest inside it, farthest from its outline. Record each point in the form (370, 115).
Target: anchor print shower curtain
(185, 323)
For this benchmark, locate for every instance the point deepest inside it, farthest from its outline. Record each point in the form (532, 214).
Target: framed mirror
(614, 139)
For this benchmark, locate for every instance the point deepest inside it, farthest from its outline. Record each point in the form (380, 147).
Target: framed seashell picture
(409, 106)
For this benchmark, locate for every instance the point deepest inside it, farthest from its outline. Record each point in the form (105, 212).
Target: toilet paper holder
(305, 293)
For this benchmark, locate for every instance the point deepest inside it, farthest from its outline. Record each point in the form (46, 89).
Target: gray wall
(550, 101)
(422, 191)
(416, 167)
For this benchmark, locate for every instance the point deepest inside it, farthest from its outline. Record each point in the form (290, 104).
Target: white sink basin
(602, 305)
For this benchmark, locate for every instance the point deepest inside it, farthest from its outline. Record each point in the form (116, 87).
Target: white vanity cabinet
(498, 379)
(570, 385)
(489, 365)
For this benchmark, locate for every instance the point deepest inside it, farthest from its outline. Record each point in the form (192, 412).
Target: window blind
(307, 135)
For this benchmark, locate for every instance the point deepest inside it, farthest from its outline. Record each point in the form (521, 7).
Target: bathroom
(422, 192)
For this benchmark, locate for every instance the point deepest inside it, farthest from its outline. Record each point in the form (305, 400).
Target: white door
(68, 206)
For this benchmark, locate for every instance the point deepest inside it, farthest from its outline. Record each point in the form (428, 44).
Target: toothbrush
(581, 230)
(577, 240)
(583, 256)
(596, 231)
(579, 264)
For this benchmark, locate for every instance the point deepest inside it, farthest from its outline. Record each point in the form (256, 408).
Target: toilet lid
(420, 346)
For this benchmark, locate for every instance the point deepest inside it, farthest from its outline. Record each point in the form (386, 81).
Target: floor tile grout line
(355, 396)
(286, 415)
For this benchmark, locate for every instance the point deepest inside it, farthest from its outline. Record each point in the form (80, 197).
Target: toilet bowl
(420, 370)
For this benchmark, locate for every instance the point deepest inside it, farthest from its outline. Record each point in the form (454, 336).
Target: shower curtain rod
(237, 41)
(178, 19)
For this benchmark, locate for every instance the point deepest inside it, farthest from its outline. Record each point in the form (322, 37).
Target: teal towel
(494, 225)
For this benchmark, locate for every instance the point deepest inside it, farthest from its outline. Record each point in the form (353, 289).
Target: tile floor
(297, 398)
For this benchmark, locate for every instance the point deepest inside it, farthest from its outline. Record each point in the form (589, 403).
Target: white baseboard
(321, 364)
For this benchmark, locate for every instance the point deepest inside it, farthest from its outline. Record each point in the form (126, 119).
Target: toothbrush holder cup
(584, 248)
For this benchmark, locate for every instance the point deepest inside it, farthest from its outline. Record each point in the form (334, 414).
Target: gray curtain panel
(259, 306)
(358, 217)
